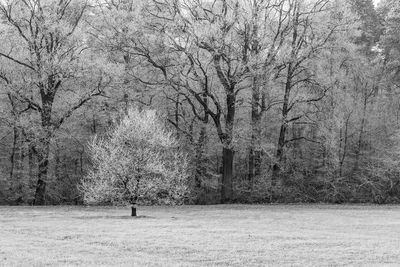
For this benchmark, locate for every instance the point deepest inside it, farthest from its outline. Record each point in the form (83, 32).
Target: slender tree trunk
(76, 167)
(257, 108)
(94, 125)
(254, 150)
(57, 170)
(201, 158)
(17, 159)
(361, 135)
(282, 138)
(15, 141)
(81, 162)
(20, 165)
(176, 114)
(291, 69)
(342, 157)
(251, 163)
(32, 163)
(282, 133)
(126, 103)
(201, 164)
(13, 150)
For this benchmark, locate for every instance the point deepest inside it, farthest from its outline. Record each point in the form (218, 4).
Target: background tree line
(275, 100)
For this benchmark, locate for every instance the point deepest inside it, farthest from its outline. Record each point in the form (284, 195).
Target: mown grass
(222, 235)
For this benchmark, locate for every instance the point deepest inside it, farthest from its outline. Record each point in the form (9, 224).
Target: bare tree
(304, 44)
(50, 44)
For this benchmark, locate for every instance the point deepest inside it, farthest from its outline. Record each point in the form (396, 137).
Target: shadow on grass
(127, 217)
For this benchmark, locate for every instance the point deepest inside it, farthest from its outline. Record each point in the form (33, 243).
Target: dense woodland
(272, 100)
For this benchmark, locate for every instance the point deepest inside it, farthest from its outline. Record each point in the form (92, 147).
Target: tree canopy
(272, 100)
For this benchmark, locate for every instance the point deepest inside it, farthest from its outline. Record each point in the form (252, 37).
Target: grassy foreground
(231, 235)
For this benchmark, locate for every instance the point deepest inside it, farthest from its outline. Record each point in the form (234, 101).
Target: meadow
(220, 235)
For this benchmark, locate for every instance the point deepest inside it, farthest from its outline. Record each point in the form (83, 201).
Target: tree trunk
(32, 164)
(254, 167)
(176, 115)
(201, 161)
(282, 133)
(201, 158)
(16, 160)
(257, 108)
(13, 150)
(43, 158)
(47, 96)
(57, 167)
(133, 208)
(94, 125)
(227, 174)
(361, 136)
(18, 179)
(344, 140)
(228, 152)
(251, 167)
(81, 162)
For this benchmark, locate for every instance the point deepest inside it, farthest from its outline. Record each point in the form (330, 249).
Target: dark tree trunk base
(227, 168)
(40, 193)
(133, 214)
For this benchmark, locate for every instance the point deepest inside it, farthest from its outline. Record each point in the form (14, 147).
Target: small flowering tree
(137, 161)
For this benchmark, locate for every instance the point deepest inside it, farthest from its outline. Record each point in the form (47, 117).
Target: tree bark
(57, 167)
(282, 133)
(13, 150)
(228, 152)
(200, 156)
(344, 140)
(257, 108)
(254, 167)
(44, 149)
(32, 163)
(201, 159)
(17, 163)
(227, 168)
(43, 158)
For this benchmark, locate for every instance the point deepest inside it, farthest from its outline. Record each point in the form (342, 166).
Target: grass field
(236, 235)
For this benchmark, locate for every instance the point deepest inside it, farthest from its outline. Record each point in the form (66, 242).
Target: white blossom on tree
(139, 160)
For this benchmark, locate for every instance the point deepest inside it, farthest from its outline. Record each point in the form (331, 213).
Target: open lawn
(222, 235)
